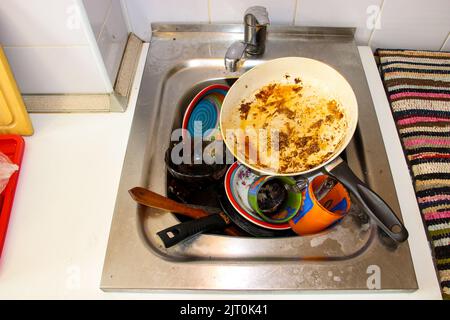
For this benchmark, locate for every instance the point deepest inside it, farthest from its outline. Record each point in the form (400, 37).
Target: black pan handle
(176, 234)
(372, 203)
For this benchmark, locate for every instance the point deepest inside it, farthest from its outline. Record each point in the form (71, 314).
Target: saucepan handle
(372, 203)
(176, 234)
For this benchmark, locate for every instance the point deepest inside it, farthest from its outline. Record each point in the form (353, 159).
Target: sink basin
(184, 59)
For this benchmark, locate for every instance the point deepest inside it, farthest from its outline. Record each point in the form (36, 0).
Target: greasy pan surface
(314, 78)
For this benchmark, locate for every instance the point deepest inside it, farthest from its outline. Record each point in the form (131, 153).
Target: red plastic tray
(13, 146)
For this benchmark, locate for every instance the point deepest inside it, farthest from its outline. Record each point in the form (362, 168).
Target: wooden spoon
(153, 200)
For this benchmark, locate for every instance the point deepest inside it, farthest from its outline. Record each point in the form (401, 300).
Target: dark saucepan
(196, 173)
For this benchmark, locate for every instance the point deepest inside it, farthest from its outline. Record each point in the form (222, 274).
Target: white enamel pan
(333, 85)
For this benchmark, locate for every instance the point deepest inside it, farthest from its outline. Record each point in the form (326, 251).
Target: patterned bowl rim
(197, 99)
(242, 211)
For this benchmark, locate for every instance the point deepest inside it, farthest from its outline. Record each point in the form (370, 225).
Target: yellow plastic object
(13, 114)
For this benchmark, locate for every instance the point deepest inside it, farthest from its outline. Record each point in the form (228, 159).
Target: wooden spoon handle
(151, 199)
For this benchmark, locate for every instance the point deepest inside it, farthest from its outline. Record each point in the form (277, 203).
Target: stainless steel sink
(354, 255)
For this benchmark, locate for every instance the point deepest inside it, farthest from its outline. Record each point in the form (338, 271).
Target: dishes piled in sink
(238, 181)
(322, 203)
(315, 112)
(294, 184)
(259, 205)
(208, 181)
(308, 217)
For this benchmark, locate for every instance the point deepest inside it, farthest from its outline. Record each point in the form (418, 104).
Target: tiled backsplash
(50, 48)
(280, 11)
(110, 31)
(142, 13)
(415, 24)
(361, 14)
(54, 49)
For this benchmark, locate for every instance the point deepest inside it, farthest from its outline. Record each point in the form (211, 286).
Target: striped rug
(418, 87)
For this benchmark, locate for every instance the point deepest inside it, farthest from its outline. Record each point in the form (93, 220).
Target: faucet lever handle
(259, 13)
(234, 55)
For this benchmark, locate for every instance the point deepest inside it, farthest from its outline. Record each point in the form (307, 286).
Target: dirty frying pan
(333, 85)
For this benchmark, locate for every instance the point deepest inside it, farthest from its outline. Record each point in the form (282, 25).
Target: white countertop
(65, 200)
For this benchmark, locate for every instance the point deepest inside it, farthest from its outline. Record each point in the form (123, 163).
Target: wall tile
(55, 70)
(97, 11)
(143, 12)
(40, 23)
(344, 13)
(280, 11)
(113, 40)
(415, 24)
(124, 6)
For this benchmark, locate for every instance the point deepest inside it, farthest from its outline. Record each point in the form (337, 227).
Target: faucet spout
(256, 20)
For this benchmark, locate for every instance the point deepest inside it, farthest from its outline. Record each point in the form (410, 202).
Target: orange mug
(316, 216)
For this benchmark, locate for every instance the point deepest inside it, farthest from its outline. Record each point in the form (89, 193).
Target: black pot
(196, 174)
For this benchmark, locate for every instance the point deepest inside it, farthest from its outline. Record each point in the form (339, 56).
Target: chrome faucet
(256, 20)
